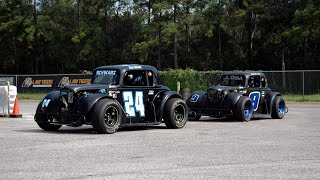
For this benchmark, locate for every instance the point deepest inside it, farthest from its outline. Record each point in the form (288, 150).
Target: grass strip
(313, 98)
(31, 96)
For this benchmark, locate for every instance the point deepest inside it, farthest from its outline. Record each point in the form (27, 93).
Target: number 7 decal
(133, 104)
(255, 98)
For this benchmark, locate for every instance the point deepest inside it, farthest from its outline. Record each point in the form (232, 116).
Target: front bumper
(211, 112)
(61, 118)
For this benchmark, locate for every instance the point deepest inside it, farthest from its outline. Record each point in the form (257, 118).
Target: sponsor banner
(51, 82)
(11, 79)
(72, 80)
(36, 82)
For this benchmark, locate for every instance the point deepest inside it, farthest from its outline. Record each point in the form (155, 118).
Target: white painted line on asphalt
(28, 116)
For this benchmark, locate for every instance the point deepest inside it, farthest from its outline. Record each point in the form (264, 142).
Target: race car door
(137, 94)
(256, 91)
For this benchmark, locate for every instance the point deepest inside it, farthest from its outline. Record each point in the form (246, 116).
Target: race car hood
(86, 87)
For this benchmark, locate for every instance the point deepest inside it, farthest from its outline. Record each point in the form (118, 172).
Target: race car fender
(49, 103)
(86, 103)
(270, 98)
(231, 99)
(166, 96)
(197, 99)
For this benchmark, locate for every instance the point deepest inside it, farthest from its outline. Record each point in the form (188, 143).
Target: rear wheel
(244, 109)
(106, 116)
(278, 108)
(175, 113)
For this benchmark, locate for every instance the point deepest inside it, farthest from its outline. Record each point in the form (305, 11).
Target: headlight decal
(70, 97)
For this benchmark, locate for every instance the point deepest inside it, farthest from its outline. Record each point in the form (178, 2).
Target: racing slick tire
(106, 116)
(49, 127)
(244, 109)
(45, 125)
(278, 108)
(175, 113)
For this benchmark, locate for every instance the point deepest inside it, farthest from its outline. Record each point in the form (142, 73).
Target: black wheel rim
(179, 114)
(111, 116)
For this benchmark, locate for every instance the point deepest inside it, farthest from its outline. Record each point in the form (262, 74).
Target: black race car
(240, 95)
(118, 96)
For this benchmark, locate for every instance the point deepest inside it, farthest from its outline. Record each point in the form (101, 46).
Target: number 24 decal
(133, 104)
(255, 98)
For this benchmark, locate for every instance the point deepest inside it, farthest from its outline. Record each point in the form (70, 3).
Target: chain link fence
(294, 82)
(286, 82)
(304, 82)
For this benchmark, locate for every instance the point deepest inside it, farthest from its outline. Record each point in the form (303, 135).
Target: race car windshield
(233, 80)
(107, 76)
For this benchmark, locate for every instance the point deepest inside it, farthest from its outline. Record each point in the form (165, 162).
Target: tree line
(69, 36)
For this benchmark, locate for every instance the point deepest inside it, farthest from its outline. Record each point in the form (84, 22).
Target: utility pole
(175, 38)
(219, 35)
(35, 35)
(160, 41)
(78, 31)
(283, 66)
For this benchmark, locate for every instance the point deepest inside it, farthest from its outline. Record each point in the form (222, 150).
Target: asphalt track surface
(206, 149)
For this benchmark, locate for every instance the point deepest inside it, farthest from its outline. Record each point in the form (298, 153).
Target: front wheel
(175, 113)
(44, 124)
(278, 108)
(49, 127)
(106, 116)
(244, 109)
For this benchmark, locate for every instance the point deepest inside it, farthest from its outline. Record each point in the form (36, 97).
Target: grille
(70, 97)
(214, 96)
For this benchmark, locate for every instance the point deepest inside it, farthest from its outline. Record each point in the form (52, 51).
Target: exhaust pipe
(192, 115)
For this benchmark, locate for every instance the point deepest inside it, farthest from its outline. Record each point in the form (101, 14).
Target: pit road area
(205, 149)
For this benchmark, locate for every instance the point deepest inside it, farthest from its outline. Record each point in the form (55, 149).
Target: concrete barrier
(8, 95)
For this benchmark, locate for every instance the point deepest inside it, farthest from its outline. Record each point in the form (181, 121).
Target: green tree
(304, 35)
(63, 36)
(16, 35)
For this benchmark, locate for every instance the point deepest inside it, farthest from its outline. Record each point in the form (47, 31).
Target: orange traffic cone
(16, 110)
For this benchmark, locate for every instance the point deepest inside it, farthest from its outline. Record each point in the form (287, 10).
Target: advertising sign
(73, 79)
(54, 82)
(36, 81)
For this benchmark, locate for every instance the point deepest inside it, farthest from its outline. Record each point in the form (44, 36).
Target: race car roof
(126, 67)
(247, 74)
